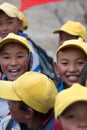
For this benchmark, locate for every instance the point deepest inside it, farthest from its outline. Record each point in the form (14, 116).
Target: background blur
(44, 19)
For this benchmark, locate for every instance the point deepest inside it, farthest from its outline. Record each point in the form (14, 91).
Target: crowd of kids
(70, 30)
(27, 99)
(17, 57)
(11, 21)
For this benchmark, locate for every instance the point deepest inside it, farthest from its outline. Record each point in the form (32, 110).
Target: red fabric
(57, 125)
(25, 4)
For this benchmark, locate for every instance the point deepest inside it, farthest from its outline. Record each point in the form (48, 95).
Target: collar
(48, 119)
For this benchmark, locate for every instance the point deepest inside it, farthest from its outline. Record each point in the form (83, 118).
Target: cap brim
(9, 13)
(7, 91)
(70, 102)
(73, 94)
(66, 31)
(7, 40)
(57, 31)
(72, 45)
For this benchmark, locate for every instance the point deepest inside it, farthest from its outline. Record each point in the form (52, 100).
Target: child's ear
(57, 125)
(56, 68)
(20, 25)
(29, 113)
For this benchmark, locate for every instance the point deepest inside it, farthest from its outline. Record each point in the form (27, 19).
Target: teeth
(13, 71)
(73, 78)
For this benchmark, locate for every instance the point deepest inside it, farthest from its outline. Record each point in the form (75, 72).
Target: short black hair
(24, 107)
(83, 75)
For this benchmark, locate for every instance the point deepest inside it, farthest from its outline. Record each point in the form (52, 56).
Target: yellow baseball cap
(9, 9)
(11, 37)
(24, 19)
(73, 28)
(69, 96)
(75, 43)
(33, 88)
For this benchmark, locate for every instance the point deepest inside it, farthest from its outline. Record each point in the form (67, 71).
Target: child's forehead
(67, 36)
(3, 14)
(4, 18)
(75, 106)
(12, 44)
(70, 50)
(71, 54)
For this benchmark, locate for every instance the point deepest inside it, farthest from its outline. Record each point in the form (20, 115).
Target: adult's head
(71, 58)
(71, 106)
(71, 30)
(14, 56)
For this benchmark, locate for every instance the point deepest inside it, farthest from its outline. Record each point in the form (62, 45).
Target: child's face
(16, 113)
(14, 60)
(65, 36)
(8, 24)
(75, 117)
(70, 62)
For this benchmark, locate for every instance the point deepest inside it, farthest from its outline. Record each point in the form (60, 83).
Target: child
(14, 61)
(31, 100)
(71, 57)
(14, 56)
(83, 76)
(10, 21)
(71, 30)
(71, 108)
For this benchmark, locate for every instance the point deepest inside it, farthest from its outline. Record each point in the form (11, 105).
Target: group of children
(71, 66)
(31, 100)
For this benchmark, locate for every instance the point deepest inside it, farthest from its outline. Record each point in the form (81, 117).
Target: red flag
(25, 4)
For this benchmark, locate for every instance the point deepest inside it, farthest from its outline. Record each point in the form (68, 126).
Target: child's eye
(20, 56)
(71, 117)
(81, 62)
(6, 57)
(64, 63)
(9, 22)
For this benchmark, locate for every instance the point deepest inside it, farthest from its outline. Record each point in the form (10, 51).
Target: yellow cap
(75, 43)
(73, 28)
(13, 12)
(9, 9)
(33, 88)
(69, 96)
(11, 37)
(24, 19)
